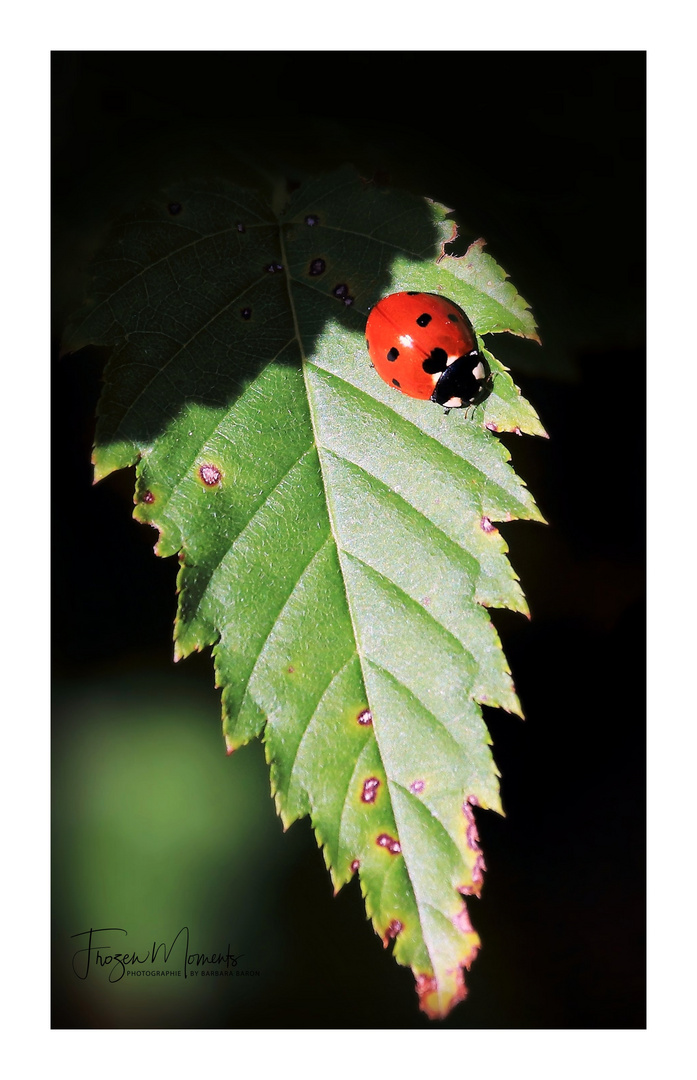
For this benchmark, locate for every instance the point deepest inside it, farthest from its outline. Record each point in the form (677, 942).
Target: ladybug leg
(445, 411)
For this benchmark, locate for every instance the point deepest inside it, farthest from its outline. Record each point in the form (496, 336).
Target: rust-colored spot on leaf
(491, 426)
(486, 525)
(210, 474)
(147, 497)
(472, 839)
(290, 669)
(393, 929)
(365, 717)
(393, 846)
(417, 787)
(354, 865)
(370, 789)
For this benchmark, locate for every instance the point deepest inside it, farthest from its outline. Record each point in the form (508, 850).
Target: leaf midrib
(420, 902)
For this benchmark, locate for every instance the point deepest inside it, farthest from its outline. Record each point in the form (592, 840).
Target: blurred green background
(154, 827)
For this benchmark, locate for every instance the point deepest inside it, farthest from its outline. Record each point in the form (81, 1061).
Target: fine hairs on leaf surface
(335, 537)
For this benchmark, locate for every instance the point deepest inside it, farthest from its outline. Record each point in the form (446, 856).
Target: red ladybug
(424, 346)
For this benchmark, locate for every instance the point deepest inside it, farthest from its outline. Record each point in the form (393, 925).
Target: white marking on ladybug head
(406, 340)
(453, 403)
(450, 360)
(478, 371)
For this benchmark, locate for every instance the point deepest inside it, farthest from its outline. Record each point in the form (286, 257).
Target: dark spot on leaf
(389, 842)
(354, 865)
(417, 787)
(491, 425)
(317, 267)
(210, 474)
(240, 227)
(393, 354)
(437, 361)
(340, 291)
(148, 497)
(517, 431)
(393, 929)
(291, 670)
(395, 383)
(292, 185)
(486, 526)
(246, 313)
(312, 219)
(273, 268)
(424, 320)
(348, 301)
(174, 208)
(365, 717)
(370, 789)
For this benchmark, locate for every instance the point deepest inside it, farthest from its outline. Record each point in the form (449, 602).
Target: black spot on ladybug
(312, 219)
(393, 929)
(240, 227)
(389, 842)
(365, 717)
(148, 497)
(210, 474)
(370, 789)
(393, 354)
(246, 313)
(486, 526)
(340, 291)
(452, 317)
(317, 267)
(395, 383)
(437, 361)
(174, 208)
(424, 320)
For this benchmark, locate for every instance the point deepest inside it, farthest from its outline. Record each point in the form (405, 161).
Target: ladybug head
(465, 382)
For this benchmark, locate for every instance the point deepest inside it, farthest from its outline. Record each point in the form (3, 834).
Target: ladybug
(424, 345)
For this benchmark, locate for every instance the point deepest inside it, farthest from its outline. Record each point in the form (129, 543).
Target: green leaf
(336, 538)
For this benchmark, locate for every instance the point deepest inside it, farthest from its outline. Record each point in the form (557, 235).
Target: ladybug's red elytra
(424, 346)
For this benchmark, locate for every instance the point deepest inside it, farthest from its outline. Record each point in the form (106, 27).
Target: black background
(543, 154)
